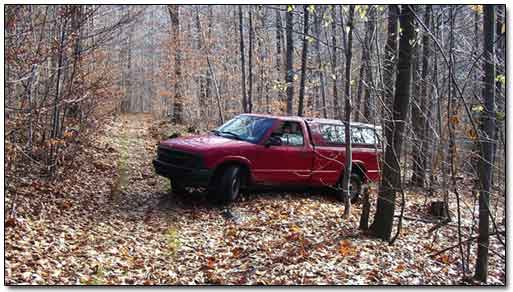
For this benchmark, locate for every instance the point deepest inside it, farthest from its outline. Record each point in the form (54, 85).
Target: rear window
(334, 135)
(357, 136)
(369, 136)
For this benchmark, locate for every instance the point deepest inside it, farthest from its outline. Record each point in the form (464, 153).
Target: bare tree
(334, 75)
(390, 57)
(488, 127)
(250, 56)
(391, 177)
(427, 104)
(243, 63)
(304, 54)
(289, 77)
(348, 47)
(320, 71)
(174, 14)
(365, 69)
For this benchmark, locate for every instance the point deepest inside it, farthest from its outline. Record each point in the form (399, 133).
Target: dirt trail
(136, 232)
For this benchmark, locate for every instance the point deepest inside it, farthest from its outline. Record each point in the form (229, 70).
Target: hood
(198, 144)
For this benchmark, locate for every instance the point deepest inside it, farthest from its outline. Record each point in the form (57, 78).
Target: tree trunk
(202, 98)
(56, 107)
(279, 63)
(390, 59)
(208, 89)
(243, 62)
(127, 106)
(488, 134)
(416, 118)
(174, 14)
(500, 95)
(76, 24)
(290, 70)
(364, 219)
(391, 175)
(365, 70)
(427, 102)
(317, 28)
(303, 61)
(348, 163)
(337, 114)
(368, 105)
(250, 63)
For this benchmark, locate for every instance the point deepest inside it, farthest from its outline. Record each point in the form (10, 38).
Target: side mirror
(273, 141)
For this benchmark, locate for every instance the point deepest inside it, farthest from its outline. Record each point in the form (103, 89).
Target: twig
(466, 240)
(401, 216)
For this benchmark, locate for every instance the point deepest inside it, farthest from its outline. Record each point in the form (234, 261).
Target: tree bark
(369, 106)
(242, 62)
(304, 54)
(279, 62)
(250, 57)
(391, 175)
(365, 69)
(317, 28)
(364, 219)
(416, 118)
(390, 59)
(289, 78)
(202, 98)
(56, 107)
(348, 161)
(427, 102)
(174, 14)
(488, 128)
(334, 65)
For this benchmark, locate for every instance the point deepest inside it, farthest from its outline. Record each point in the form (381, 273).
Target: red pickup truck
(254, 149)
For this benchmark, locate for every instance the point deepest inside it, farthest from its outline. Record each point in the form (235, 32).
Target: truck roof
(314, 120)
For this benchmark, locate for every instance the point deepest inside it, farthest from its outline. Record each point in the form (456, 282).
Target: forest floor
(113, 221)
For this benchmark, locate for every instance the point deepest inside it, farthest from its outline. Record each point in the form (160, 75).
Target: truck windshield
(246, 128)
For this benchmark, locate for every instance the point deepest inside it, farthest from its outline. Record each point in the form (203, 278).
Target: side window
(369, 136)
(356, 135)
(290, 133)
(332, 134)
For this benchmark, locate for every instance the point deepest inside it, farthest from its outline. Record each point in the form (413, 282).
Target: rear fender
(360, 169)
(357, 167)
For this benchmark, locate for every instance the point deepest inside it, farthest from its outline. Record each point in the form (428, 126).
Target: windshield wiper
(218, 133)
(231, 134)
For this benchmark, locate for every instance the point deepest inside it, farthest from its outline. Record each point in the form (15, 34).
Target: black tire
(356, 183)
(177, 188)
(227, 187)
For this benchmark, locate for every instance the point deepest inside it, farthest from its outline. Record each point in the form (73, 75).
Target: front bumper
(186, 176)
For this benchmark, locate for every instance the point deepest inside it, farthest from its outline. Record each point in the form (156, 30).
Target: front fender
(237, 159)
(234, 159)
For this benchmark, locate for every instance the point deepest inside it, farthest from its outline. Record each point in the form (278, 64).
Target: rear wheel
(355, 188)
(228, 187)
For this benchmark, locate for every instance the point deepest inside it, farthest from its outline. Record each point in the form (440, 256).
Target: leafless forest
(90, 89)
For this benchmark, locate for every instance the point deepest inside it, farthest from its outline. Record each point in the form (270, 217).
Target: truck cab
(253, 149)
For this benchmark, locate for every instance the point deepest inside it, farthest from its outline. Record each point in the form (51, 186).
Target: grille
(178, 158)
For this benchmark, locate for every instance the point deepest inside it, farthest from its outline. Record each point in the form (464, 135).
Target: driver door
(289, 163)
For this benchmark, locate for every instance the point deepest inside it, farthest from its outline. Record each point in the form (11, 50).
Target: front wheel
(355, 188)
(228, 187)
(177, 188)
